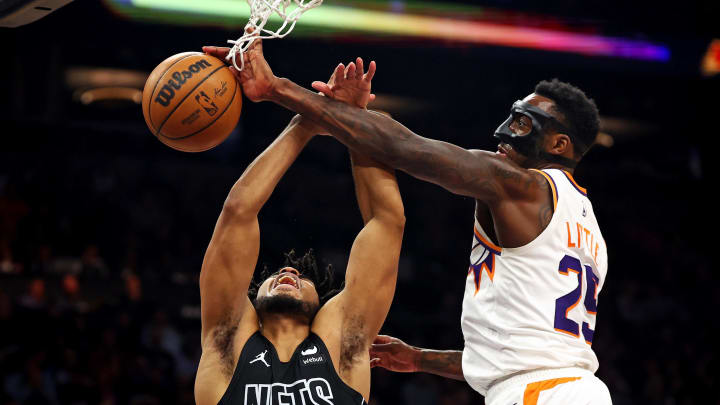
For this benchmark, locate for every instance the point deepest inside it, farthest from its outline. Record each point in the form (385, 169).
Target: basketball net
(260, 11)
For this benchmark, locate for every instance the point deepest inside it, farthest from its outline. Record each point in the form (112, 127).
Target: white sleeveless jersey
(534, 307)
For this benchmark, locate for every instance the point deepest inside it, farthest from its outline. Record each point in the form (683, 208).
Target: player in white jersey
(551, 128)
(528, 311)
(534, 307)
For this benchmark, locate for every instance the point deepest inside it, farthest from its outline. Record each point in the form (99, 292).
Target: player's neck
(285, 333)
(548, 165)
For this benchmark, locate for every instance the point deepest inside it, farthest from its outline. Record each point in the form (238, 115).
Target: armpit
(353, 342)
(224, 342)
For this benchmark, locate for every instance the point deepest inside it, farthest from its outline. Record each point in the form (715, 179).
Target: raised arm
(349, 321)
(481, 175)
(395, 355)
(372, 266)
(231, 257)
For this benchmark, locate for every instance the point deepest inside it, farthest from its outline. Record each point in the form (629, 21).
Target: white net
(260, 12)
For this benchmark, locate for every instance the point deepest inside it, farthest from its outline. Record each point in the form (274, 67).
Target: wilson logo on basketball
(167, 92)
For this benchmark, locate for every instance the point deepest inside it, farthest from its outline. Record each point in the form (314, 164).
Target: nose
(290, 270)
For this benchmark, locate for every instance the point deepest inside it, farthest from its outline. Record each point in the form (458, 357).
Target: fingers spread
(360, 68)
(339, 74)
(323, 88)
(350, 71)
(371, 71)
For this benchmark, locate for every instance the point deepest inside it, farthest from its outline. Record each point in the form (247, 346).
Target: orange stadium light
(711, 61)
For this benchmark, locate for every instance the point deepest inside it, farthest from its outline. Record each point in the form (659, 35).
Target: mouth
(503, 149)
(287, 281)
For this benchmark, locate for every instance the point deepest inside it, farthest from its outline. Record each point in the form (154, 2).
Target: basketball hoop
(260, 11)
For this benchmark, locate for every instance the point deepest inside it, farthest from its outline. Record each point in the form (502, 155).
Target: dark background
(103, 228)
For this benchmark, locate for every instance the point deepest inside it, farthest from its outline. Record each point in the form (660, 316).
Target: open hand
(393, 354)
(256, 78)
(349, 84)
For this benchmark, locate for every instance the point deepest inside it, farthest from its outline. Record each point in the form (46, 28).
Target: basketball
(191, 102)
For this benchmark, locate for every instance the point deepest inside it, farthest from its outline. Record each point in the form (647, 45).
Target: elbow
(239, 209)
(396, 212)
(392, 218)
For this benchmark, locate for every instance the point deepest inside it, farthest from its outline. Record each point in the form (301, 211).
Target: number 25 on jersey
(571, 266)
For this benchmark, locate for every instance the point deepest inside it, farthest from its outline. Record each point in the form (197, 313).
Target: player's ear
(560, 144)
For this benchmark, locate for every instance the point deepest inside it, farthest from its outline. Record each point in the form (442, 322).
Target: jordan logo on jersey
(305, 391)
(261, 357)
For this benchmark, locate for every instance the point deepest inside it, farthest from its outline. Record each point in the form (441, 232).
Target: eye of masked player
(525, 128)
(521, 125)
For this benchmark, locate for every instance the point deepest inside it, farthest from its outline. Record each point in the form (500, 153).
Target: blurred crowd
(100, 252)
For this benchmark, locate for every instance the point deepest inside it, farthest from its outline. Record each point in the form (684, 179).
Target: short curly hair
(579, 113)
(308, 268)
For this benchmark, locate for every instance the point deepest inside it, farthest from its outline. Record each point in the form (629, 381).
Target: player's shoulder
(508, 180)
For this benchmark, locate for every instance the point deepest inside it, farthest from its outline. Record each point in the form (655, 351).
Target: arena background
(103, 228)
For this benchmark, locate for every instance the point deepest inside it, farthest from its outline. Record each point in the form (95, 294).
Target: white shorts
(562, 386)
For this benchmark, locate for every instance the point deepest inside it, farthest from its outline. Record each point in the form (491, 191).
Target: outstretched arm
(395, 355)
(478, 174)
(231, 257)
(372, 266)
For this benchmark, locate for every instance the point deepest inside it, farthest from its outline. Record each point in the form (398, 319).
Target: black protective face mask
(528, 142)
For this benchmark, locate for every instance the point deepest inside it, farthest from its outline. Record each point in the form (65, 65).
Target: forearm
(388, 141)
(376, 189)
(257, 183)
(351, 125)
(445, 363)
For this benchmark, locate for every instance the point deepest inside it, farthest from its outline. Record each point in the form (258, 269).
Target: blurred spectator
(133, 287)
(34, 384)
(159, 334)
(93, 265)
(35, 298)
(12, 209)
(71, 298)
(7, 264)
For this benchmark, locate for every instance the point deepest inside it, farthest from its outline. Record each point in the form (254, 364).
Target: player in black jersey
(285, 348)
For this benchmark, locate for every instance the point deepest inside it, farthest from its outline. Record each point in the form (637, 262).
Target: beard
(285, 305)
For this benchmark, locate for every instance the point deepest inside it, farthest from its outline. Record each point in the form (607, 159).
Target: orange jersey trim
(567, 332)
(574, 183)
(552, 186)
(485, 242)
(532, 391)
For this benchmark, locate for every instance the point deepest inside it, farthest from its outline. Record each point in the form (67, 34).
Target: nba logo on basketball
(206, 103)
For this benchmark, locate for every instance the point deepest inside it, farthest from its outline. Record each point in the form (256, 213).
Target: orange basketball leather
(191, 102)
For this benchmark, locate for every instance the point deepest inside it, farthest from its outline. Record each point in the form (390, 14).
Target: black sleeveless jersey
(260, 378)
